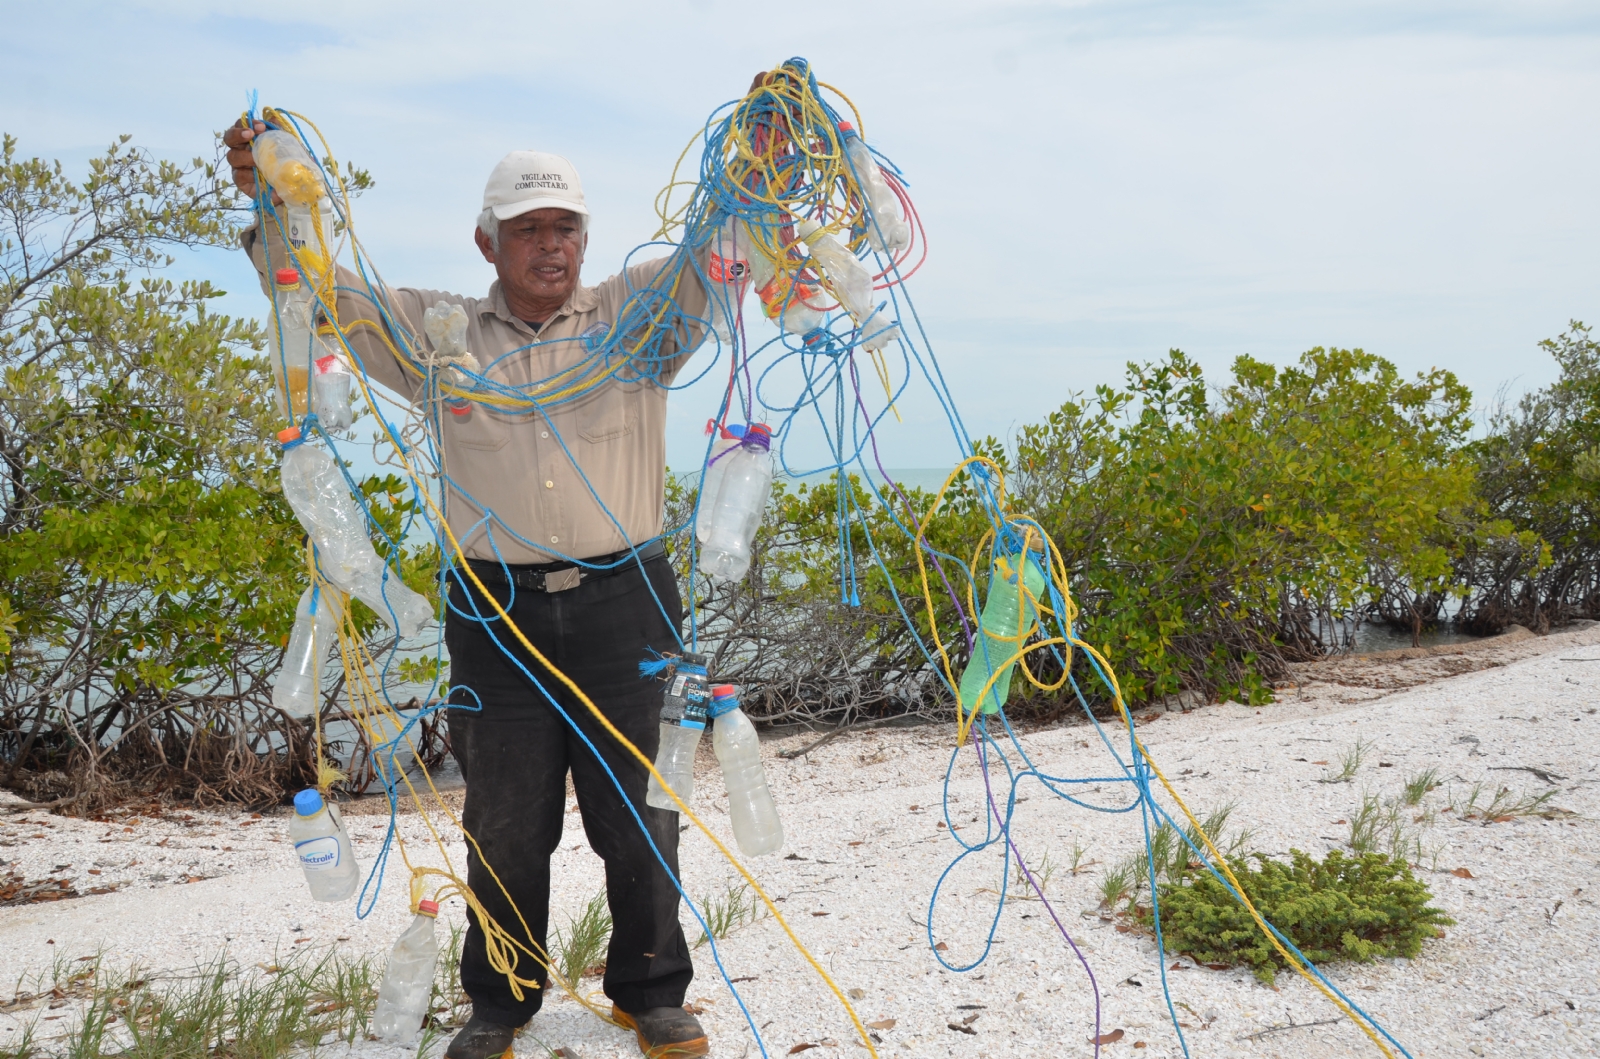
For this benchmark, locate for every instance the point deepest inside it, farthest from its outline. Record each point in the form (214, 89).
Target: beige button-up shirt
(574, 480)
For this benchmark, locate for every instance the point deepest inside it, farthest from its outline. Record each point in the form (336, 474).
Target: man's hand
(243, 161)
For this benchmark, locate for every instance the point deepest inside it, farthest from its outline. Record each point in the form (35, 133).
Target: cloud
(1101, 181)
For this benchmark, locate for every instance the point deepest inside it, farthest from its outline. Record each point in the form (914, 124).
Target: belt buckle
(561, 580)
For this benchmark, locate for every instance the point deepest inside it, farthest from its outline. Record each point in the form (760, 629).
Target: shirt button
(549, 485)
(555, 540)
(544, 433)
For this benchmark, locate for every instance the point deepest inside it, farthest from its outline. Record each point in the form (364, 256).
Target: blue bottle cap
(308, 802)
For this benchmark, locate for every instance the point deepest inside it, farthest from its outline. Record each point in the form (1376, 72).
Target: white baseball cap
(532, 180)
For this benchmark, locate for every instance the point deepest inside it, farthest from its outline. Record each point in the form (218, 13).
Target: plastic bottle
(288, 167)
(887, 217)
(330, 392)
(446, 326)
(323, 846)
(728, 270)
(683, 720)
(1001, 630)
(727, 527)
(291, 342)
(296, 688)
(407, 990)
(782, 300)
(851, 282)
(317, 492)
(756, 826)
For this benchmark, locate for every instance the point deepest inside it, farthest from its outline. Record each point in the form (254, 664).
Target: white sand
(1516, 976)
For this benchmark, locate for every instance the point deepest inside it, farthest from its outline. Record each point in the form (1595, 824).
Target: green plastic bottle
(1000, 629)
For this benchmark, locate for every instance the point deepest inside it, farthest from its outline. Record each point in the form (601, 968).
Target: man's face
(539, 256)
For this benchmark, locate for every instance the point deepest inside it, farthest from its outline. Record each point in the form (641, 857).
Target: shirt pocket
(483, 430)
(607, 415)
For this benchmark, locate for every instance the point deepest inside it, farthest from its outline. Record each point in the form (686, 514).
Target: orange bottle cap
(288, 434)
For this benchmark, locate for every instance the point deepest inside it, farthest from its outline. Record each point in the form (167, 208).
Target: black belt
(558, 577)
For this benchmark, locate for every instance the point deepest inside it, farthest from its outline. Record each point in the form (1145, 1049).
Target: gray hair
(489, 225)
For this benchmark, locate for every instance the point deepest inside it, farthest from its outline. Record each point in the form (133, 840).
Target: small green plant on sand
(736, 907)
(1483, 801)
(1043, 872)
(580, 949)
(1349, 762)
(1419, 785)
(1343, 908)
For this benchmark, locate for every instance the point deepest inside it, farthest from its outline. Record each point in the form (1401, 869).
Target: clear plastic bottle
(683, 720)
(288, 167)
(330, 392)
(852, 283)
(317, 492)
(291, 342)
(316, 627)
(323, 847)
(756, 826)
(727, 527)
(782, 300)
(407, 990)
(887, 216)
(1001, 630)
(728, 270)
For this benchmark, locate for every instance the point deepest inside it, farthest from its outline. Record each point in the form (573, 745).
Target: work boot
(481, 1039)
(664, 1033)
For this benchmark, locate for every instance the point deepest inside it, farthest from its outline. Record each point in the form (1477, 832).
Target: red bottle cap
(845, 126)
(289, 434)
(758, 428)
(287, 277)
(428, 908)
(724, 691)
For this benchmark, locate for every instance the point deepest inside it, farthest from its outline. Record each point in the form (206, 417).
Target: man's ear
(485, 247)
(584, 249)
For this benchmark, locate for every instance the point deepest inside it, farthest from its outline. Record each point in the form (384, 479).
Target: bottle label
(727, 269)
(775, 295)
(318, 854)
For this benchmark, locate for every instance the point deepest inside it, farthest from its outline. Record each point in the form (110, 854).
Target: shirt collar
(582, 300)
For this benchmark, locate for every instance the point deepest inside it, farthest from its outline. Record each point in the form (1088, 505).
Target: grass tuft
(580, 950)
(736, 907)
(1349, 762)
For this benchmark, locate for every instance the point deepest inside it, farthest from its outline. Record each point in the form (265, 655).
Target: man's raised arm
(265, 244)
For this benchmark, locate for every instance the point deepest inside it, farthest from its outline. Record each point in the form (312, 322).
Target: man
(514, 493)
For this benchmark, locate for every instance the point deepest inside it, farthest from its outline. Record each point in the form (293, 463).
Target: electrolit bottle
(322, 502)
(887, 217)
(851, 282)
(330, 392)
(297, 686)
(1006, 616)
(728, 270)
(755, 818)
(291, 340)
(683, 719)
(405, 996)
(727, 527)
(782, 300)
(323, 846)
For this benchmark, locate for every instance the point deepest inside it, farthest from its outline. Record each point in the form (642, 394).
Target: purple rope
(983, 766)
(966, 630)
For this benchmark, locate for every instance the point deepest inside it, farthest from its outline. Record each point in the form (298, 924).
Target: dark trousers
(514, 756)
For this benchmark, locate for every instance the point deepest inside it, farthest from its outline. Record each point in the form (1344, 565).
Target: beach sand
(1518, 974)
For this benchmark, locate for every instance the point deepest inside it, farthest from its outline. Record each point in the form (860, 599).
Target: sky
(1100, 182)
